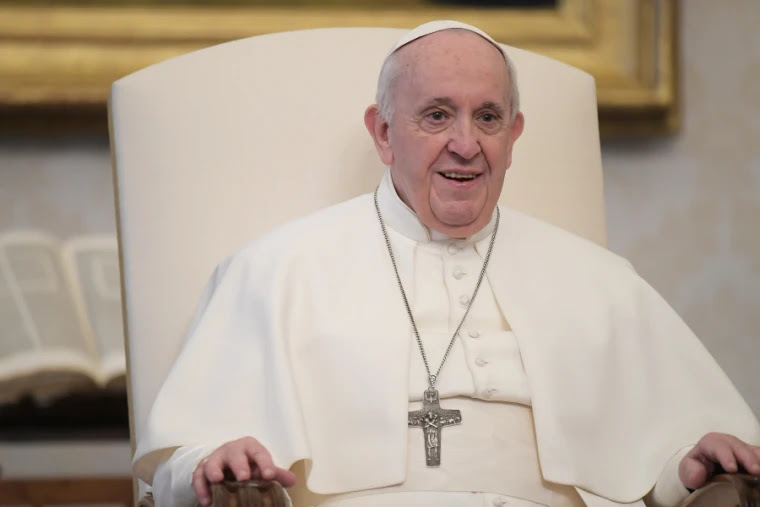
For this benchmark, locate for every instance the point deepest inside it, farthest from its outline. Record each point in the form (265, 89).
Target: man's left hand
(715, 452)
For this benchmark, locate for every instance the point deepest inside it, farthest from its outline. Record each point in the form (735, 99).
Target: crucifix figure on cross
(432, 418)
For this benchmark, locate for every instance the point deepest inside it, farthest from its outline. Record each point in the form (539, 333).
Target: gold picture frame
(57, 61)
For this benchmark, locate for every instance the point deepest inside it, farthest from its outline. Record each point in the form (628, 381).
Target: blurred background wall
(685, 209)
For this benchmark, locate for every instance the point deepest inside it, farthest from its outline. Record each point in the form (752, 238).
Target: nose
(464, 140)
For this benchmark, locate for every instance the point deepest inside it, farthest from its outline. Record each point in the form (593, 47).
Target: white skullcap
(437, 26)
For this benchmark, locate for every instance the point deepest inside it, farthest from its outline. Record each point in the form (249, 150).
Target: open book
(60, 315)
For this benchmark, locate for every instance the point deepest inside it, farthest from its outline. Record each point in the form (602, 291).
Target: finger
(747, 457)
(724, 454)
(237, 461)
(200, 486)
(261, 458)
(285, 477)
(214, 468)
(756, 452)
(717, 447)
(694, 473)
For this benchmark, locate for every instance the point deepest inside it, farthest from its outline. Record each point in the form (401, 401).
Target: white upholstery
(214, 147)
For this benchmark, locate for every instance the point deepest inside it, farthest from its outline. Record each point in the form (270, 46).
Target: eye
(489, 121)
(489, 117)
(436, 116)
(435, 120)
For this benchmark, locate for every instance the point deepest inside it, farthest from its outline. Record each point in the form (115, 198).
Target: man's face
(449, 143)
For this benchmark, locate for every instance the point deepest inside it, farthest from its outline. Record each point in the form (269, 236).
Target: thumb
(693, 473)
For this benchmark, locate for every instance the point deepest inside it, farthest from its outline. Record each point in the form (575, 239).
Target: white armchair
(217, 146)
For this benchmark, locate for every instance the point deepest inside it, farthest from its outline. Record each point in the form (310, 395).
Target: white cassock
(569, 371)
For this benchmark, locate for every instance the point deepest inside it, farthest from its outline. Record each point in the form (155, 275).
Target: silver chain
(432, 378)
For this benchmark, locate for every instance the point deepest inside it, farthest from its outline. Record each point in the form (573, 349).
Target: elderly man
(421, 346)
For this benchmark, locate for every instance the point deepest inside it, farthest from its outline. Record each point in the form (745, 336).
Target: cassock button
(481, 362)
(473, 333)
(458, 273)
(499, 501)
(488, 393)
(464, 299)
(452, 249)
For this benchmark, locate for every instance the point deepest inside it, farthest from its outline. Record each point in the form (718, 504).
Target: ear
(378, 129)
(515, 129)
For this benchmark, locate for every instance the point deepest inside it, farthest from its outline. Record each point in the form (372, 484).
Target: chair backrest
(214, 147)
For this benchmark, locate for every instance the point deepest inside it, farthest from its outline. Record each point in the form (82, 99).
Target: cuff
(172, 483)
(669, 491)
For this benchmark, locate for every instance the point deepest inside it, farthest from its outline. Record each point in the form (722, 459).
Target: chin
(460, 224)
(459, 218)
(463, 224)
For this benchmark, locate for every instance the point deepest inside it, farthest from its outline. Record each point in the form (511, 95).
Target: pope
(422, 346)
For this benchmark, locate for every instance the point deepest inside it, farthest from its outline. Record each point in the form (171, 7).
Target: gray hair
(389, 73)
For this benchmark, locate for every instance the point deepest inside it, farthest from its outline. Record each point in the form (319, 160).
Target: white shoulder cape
(302, 341)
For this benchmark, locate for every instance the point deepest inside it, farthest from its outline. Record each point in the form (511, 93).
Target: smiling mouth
(453, 176)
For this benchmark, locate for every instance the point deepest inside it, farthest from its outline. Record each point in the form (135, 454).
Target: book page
(41, 330)
(93, 264)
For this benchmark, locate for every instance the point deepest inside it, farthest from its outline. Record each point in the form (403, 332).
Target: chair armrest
(240, 494)
(253, 493)
(727, 490)
(147, 501)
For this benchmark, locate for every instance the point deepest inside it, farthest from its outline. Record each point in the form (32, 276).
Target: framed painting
(57, 58)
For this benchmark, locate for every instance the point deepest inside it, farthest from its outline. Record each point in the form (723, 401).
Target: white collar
(399, 217)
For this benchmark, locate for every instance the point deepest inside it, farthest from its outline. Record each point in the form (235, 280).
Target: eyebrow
(448, 101)
(440, 101)
(496, 107)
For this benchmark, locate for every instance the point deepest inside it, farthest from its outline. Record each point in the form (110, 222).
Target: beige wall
(60, 185)
(685, 210)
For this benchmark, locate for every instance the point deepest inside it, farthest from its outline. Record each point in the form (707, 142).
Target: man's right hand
(246, 458)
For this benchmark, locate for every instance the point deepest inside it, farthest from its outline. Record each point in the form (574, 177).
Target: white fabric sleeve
(237, 339)
(172, 483)
(669, 491)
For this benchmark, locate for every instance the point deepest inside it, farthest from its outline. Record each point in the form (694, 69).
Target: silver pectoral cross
(432, 418)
